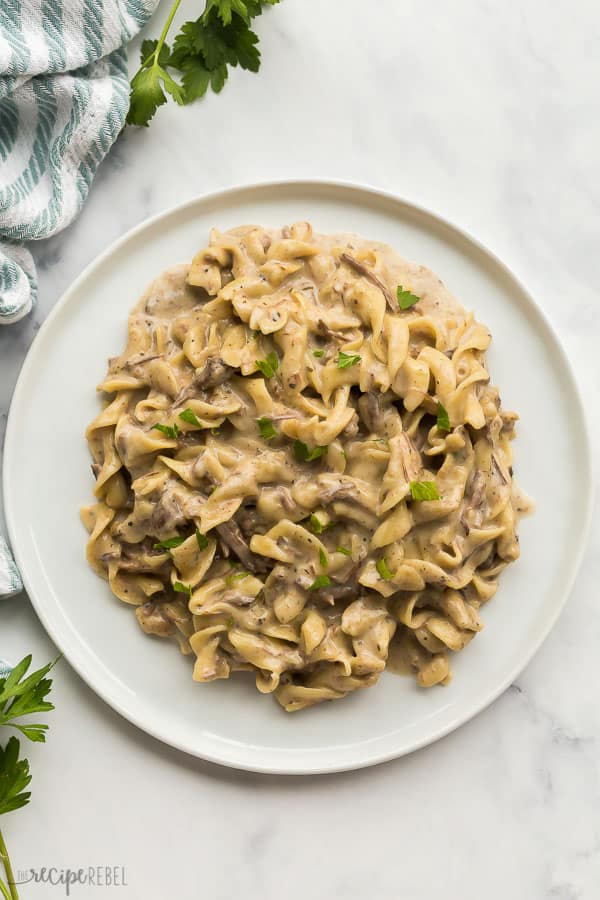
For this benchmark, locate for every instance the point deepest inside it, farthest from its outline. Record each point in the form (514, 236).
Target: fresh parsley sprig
(19, 696)
(201, 54)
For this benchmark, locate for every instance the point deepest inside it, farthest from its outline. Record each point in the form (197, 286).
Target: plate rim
(368, 758)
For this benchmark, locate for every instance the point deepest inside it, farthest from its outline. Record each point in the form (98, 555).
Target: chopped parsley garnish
(269, 365)
(183, 588)
(318, 353)
(169, 543)
(215, 430)
(443, 419)
(304, 454)
(320, 581)
(405, 298)
(424, 490)
(229, 622)
(267, 429)
(171, 431)
(236, 576)
(323, 558)
(202, 540)
(315, 523)
(189, 416)
(345, 360)
(383, 569)
(344, 550)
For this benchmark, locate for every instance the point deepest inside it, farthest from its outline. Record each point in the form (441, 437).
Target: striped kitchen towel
(63, 101)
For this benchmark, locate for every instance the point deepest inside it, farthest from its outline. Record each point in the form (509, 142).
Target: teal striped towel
(63, 101)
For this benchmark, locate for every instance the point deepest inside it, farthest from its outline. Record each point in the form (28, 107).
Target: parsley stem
(164, 32)
(4, 890)
(14, 894)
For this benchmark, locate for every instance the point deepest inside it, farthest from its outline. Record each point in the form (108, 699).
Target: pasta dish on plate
(301, 466)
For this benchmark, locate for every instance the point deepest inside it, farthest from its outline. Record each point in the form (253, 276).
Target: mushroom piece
(139, 358)
(343, 487)
(372, 277)
(214, 372)
(131, 564)
(411, 458)
(230, 534)
(152, 619)
(248, 520)
(338, 591)
(369, 408)
(351, 429)
(324, 330)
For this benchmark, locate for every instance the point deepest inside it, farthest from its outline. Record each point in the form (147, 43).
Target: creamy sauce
(298, 477)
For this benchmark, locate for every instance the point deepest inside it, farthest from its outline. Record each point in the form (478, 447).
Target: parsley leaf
(315, 523)
(303, 454)
(345, 360)
(236, 576)
(171, 431)
(323, 558)
(190, 417)
(267, 429)
(14, 778)
(181, 588)
(23, 696)
(344, 550)
(320, 581)
(202, 540)
(318, 353)
(424, 490)
(147, 94)
(443, 419)
(269, 365)
(229, 622)
(405, 298)
(169, 543)
(383, 569)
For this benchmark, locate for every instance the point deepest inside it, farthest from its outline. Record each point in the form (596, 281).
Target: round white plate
(47, 477)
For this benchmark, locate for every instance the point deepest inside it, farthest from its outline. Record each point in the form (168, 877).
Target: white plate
(47, 477)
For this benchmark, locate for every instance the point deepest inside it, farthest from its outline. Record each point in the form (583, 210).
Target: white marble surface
(489, 113)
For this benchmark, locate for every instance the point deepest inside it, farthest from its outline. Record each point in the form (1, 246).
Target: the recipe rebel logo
(68, 879)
